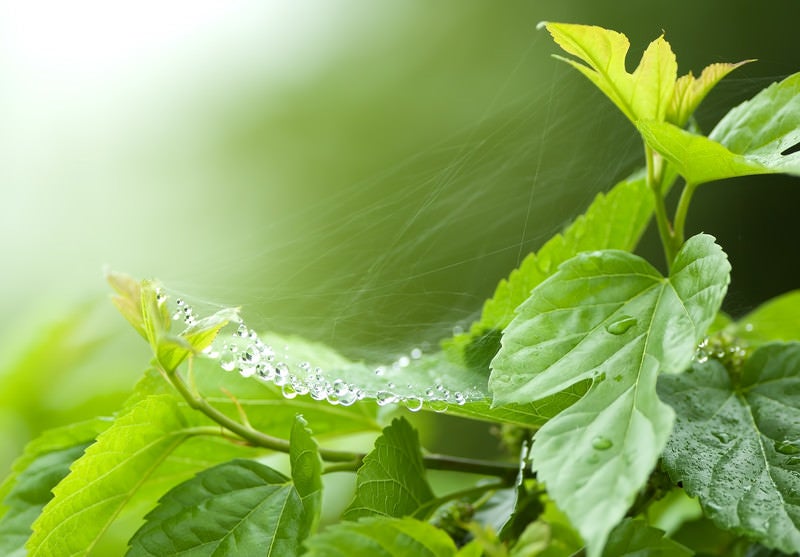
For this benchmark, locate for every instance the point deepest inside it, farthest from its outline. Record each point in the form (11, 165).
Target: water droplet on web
(288, 391)
(404, 361)
(227, 360)
(621, 325)
(385, 397)
(414, 404)
(788, 446)
(602, 443)
(437, 405)
(281, 374)
(416, 354)
(748, 327)
(380, 371)
(459, 398)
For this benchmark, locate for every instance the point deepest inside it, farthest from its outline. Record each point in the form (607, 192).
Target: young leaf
(690, 91)
(615, 220)
(776, 319)
(609, 316)
(236, 508)
(106, 477)
(129, 299)
(381, 537)
(306, 472)
(391, 482)
(750, 139)
(736, 445)
(31, 492)
(644, 94)
(633, 538)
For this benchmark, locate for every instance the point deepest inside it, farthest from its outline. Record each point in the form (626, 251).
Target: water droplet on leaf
(602, 443)
(622, 325)
(413, 403)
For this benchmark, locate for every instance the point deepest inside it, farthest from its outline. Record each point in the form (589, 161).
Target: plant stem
(682, 210)
(654, 182)
(346, 460)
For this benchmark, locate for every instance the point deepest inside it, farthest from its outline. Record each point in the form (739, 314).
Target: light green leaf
(31, 492)
(202, 333)
(644, 94)
(615, 220)
(776, 319)
(52, 440)
(634, 538)
(381, 537)
(611, 317)
(237, 508)
(391, 481)
(129, 299)
(306, 472)
(750, 139)
(103, 480)
(690, 91)
(736, 445)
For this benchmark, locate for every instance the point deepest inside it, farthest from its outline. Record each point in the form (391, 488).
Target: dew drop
(788, 446)
(701, 356)
(414, 404)
(748, 327)
(348, 398)
(429, 393)
(385, 397)
(288, 391)
(437, 405)
(404, 361)
(602, 443)
(722, 436)
(380, 370)
(459, 398)
(621, 325)
(416, 354)
(227, 361)
(265, 371)
(242, 331)
(281, 374)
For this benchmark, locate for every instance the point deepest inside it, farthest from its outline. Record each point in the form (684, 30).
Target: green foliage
(612, 317)
(608, 364)
(737, 440)
(391, 482)
(239, 507)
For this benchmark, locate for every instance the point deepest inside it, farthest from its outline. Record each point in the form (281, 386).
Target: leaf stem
(682, 210)
(345, 460)
(655, 183)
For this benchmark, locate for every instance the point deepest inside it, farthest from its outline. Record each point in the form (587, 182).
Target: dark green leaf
(103, 480)
(381, 537)
(736, 445)
(306, 472)
(391, 482)
(236, 508)
(611, 317)
(750, 139)
(634, 538)
(31, 492)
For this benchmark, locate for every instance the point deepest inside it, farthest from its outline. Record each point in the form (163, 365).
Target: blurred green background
(361, 173)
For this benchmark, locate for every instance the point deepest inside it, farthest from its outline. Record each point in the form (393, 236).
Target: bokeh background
(361, 173)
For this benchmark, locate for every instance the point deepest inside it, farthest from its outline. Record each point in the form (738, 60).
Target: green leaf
(53, 440)
(236, 508)
(633, 538)
(776, 319)
(31, 492)
(201, 334)
(381, 537)
(129, 299)
(391, 481)
(690, 91)
(644, 94)
(611, 317)
(106, 477)
(736, 445)
(306, 472)
(615, 220)
(750, 139)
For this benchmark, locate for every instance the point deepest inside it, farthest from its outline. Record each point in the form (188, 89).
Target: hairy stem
(345, 460)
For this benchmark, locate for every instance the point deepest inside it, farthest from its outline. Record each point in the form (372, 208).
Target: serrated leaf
(634, 538)
(776, 319)
(690, 90)
(201, 334)
(106, 477)
(306, 472)
(615, 220)
(381, 537)
(31, 492)
(750, 139)
(644, 94)
(236, 508)
(391, 481)
(52, 440)
(610, 316)
(736, 445)
(129, 299)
